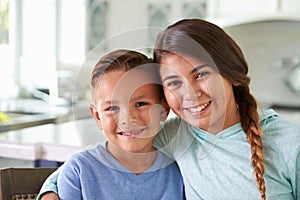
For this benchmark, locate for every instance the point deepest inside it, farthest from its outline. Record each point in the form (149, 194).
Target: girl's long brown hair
(204, 40)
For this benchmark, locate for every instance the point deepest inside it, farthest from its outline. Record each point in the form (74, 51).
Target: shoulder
(276, 127)
(172, 126)
(280, 136)
(167, 166)
(174, 137)
(81, 164)
(86, 156)
(167, 132)
(173, 121)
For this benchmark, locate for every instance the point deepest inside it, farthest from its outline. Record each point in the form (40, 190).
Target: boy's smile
(128, 109)
(131, 133)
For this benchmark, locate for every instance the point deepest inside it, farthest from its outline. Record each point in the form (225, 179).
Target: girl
(204, 74)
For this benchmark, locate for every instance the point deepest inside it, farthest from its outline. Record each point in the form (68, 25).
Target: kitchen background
(47, 49)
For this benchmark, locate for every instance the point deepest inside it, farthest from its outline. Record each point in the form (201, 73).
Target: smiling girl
(220, 140)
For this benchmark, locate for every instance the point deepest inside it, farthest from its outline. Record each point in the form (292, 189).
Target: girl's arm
(49, 188)
(174, 138)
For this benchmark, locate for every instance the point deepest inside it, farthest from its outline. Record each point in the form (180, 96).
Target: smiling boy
(128, 106)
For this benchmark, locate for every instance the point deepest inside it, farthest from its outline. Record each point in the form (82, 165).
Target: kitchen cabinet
(55, 35)
(290, 6)
(271, 47)
(154, 13)
(231, 9)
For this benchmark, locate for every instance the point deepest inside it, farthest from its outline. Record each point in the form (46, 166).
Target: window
(4, 22)
(36, 39)
(7, 87)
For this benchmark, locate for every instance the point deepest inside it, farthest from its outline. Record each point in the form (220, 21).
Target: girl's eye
(202, 74)
(173, 83)
(139, 104)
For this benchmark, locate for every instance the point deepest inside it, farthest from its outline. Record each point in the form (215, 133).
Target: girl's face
(128, 109)
(198, 93)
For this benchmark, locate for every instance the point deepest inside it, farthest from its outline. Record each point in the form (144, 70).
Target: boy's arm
(49, 188)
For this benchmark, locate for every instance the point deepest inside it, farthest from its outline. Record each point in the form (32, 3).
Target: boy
(128, 106)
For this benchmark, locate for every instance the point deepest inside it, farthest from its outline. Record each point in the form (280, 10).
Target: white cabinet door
(291, 7)
(245, 8)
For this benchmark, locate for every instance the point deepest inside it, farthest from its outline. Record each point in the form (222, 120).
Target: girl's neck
(230, 118)
(137, 163)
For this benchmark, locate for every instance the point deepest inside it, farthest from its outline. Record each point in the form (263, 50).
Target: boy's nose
(126, 117)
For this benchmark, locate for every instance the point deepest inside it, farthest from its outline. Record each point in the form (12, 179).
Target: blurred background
(47, 48)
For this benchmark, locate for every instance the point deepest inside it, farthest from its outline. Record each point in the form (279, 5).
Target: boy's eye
(139, 104)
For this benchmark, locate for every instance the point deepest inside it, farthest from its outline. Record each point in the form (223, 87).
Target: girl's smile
(197, 110)
(198, 93)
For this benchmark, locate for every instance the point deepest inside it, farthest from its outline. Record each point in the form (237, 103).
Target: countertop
(32, 112)
(55, 142)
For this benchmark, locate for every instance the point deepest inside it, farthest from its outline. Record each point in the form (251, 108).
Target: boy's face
(128, 109)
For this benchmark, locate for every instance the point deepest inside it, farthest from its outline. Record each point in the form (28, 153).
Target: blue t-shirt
(96, 174)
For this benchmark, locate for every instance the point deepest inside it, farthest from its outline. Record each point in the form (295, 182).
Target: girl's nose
(191, 91)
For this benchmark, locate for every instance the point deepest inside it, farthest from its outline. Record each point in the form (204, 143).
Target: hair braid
(250, 124)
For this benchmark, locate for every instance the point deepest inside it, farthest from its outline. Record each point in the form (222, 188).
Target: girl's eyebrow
(170, 77)
(193, 71)
(198, 68)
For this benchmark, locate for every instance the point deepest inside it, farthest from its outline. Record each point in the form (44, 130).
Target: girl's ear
(236, 84)
(165, 111)
(94, 112)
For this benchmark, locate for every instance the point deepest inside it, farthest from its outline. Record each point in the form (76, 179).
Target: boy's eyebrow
(198, 68)
(138, 98)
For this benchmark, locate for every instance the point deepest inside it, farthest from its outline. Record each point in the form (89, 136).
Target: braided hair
(201, 39)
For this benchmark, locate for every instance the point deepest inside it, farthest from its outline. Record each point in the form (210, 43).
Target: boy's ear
(165, 112)
(94, 112)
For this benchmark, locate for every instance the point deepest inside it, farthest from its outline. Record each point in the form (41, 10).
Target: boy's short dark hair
(124, 60)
